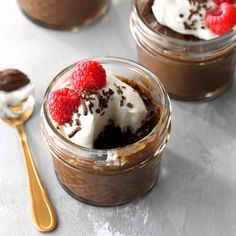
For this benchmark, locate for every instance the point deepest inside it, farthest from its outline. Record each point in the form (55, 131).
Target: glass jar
(64, 14)
(113, 176)
(189, 70)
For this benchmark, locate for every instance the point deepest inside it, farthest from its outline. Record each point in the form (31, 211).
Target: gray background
(196, 192)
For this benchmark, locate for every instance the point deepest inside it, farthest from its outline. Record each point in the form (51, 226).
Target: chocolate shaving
(119, 90)
(91, 105)
(77, 121)
(103, 93)
(123, 98)
(85, 109)
(73, 133)
(130, 105)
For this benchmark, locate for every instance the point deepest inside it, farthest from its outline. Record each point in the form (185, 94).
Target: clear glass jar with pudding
(108, 177)
(64, 14)
(189, 69)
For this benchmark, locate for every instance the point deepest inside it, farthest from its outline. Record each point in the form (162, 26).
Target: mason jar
(64, 14)
(189, 70)
(112, 176)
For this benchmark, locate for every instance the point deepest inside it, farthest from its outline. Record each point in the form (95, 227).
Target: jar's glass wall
(86, 173)
(189, 70)
(64, 14)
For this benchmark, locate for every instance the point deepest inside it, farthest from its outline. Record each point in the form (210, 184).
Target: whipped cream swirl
(185, 16)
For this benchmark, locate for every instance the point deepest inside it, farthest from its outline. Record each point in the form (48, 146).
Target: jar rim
(180, 42)
(165, 103)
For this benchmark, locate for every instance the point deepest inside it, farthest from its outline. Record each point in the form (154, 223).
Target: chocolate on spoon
(12, 79)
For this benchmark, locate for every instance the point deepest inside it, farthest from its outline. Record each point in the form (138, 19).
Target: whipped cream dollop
(124, 107)
(185, 16)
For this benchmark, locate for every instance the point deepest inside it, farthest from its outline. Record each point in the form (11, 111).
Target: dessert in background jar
(64, 14)
(15, 88)
(189, 45)
(106, 122)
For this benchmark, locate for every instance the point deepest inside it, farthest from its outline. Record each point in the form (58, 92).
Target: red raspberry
(62, 103)
(222, 19)
(88, 75)
(221, 1)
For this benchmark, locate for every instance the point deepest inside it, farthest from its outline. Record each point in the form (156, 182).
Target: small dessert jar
(189, 70)
(113, 176)
(64, 14)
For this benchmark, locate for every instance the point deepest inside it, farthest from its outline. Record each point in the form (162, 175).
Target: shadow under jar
(189, 70)
(112, 176)
(64, 14)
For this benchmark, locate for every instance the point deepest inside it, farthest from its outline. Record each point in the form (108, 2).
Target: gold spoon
(43, 214)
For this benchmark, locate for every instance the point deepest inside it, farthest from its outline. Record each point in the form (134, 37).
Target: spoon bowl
(21, 117)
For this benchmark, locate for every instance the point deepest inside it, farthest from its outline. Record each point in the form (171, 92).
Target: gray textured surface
(196, 193)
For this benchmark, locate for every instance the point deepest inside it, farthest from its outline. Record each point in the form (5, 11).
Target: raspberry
(222, 19)
(221, 1)
(62, 103)
(88, 75)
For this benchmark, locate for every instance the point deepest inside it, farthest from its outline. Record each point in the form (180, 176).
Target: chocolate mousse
(63, 14)
(120, 160)
(189, 67)
(82, 186)
(12, 79)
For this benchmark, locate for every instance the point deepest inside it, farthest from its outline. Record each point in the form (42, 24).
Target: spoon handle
(43, 214)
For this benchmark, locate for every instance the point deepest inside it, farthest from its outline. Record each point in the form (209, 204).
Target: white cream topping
(93, 124)
(13, 98)
(175, 15)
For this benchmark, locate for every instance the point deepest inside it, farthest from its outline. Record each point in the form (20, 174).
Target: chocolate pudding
(64, 14)
(189, 68)
(122, 165)
(12, 79)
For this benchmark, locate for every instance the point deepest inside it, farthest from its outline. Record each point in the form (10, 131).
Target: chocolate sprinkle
(73, 133)
(91, 105)
(85, 109)
(77, 122)
(123, 98)
(130, 105)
